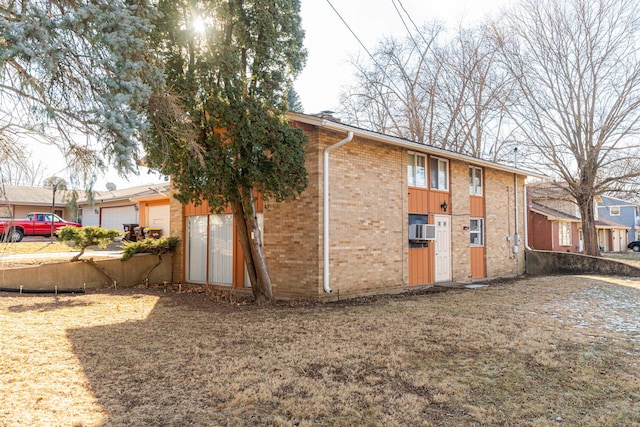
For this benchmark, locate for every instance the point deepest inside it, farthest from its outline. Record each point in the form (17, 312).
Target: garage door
(115, 217)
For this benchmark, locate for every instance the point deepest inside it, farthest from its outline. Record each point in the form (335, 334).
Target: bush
(149, 246)
(87, 236)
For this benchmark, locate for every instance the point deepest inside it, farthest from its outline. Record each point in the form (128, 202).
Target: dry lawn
(629, 257)
(539, 351)
(40, 250)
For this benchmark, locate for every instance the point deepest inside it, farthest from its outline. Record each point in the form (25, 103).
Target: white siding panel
(196, 249)
(90, 216)
(158, 217)
(116, 216)
(221, 249)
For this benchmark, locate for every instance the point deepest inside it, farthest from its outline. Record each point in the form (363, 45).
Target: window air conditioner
(422, 232)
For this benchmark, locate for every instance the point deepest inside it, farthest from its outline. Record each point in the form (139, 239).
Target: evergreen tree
(294, 102)
(76, 73)
(220, 128)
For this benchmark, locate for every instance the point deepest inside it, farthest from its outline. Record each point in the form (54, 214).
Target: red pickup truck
(35, 224)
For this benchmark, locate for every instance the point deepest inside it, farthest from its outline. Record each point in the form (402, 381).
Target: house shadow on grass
(166, 369)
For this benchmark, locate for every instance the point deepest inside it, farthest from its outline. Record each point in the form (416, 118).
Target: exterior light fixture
(444, 206)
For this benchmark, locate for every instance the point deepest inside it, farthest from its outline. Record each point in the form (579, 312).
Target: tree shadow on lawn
(194, 362)
(172, 368)
(54, 304)
(460, 358)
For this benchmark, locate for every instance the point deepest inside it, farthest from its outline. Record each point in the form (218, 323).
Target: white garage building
(114, 209)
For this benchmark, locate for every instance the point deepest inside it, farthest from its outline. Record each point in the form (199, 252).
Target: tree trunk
(95, 265)
(78, 255)
(589, 231)
(146, 277)
(251, 241)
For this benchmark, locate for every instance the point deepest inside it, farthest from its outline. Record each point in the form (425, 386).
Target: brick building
(554, 222)
(400, 214)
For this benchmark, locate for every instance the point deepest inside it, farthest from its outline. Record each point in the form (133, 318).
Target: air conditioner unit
(422, 232)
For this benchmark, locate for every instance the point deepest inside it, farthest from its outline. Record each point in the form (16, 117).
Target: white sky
(330, 44)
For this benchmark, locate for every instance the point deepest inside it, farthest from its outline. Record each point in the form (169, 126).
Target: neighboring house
(399, 214)
(147, 206)
(554, 222)
(16, 201)
(623, 212)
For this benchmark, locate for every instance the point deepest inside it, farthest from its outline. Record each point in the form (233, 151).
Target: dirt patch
(542, 351)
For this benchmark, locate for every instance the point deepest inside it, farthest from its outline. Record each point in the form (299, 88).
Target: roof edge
(405, 143)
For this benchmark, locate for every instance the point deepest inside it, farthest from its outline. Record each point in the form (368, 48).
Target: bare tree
(394, 92)
(577, 68)
(18, 167)
(474, 96)
(451, 94)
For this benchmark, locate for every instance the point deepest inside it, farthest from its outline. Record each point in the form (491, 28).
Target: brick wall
(293, 234)
(500, 223)
(368, 215)
(460, 208)
(177, 221)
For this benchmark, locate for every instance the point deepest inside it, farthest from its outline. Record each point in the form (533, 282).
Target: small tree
(158, 247)
(87, 236)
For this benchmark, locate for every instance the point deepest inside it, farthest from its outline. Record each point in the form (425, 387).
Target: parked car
(634, 246)
(35, 224)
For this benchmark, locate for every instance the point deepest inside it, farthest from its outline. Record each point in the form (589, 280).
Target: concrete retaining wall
(545, 262)
(80, 275)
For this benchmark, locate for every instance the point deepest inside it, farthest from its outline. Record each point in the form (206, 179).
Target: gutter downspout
(526, 220)
(516, 239)
(516, 236)
(325, 201)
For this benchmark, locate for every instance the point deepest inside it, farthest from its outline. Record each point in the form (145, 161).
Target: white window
(564, 231)
(196, 261)
(439, 174)
(221, 249)
(475, 181)
(476, 231)
(416, 170)
(614, 210)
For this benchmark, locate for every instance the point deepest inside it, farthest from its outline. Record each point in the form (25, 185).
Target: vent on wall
(422, 232)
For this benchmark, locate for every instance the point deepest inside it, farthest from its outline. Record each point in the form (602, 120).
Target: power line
(403, 21)
(410, 19)
(352, 32)
(366, 50)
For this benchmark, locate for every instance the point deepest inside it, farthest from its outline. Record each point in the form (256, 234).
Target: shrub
(87, 236)
(149, 246)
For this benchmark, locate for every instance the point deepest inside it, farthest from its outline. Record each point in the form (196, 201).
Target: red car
(35, 224)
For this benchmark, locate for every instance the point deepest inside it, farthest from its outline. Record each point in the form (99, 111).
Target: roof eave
(410, 145)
